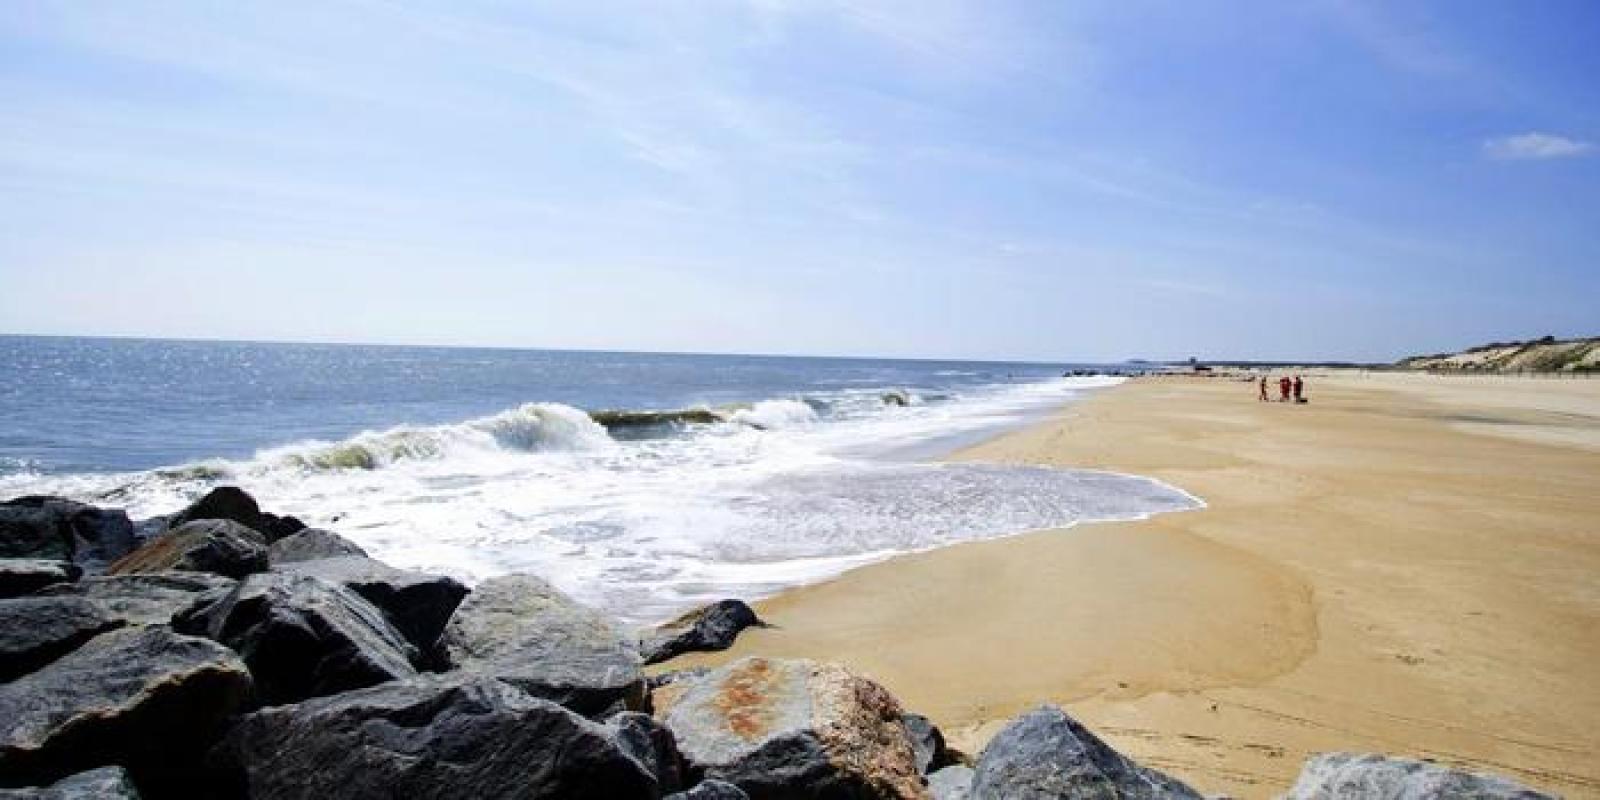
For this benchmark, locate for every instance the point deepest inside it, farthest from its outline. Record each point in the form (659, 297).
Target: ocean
(640, 483)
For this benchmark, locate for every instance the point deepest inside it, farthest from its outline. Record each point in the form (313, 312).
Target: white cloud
(1535, 145)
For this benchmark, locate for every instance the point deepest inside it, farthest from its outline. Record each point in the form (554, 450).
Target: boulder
(312, 543)
(795, 729)
(1046, 755)
(708, 628)
(301, 636)
(29, 532)
(56, 528)
(37, 630)
(210, 545)
(710, 790)
(523, 631)
(20, 576)
(951, 783)
(1345, 775)
(144, 698)
(417, 604)
(927, 741)
(652, 745)
(233, 503)
(145, 598)
(432, 736)
(105, 783)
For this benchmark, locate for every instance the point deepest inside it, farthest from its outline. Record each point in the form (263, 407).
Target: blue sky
(1330, 179)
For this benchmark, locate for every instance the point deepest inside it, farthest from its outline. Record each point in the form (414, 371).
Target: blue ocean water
(88, 404)
(484, 461)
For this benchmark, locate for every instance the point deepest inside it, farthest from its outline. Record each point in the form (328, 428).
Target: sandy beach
(1407, 565)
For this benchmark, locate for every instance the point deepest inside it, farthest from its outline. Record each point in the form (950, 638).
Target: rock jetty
(227, 652)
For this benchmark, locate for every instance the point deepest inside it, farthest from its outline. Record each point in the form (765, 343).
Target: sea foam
(737, 501)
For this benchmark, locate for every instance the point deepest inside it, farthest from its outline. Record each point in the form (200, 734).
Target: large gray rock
(710, 790)
(312, 543)
(432, 737)
(217, 546)
(145, 598)
(20, 576)
(1047, 755)
(144, 698)
(523, 631)
(708, 628)
(301, 636)
(795, 729)
(37, 630)
(60, 529)
(417, 603)
(105, 783)
(233, 503)
(951, 783)
(1339, 776)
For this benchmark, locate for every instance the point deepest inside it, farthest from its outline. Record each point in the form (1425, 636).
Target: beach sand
(1408, 564)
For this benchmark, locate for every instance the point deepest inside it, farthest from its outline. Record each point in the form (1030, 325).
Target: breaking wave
(531, 428)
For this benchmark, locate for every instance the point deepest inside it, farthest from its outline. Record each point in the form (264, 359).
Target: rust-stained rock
(795, 729)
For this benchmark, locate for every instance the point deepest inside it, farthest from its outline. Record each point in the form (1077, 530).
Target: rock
(417, 604)
(312, 543)
(210, 545)
(144, 698)
(35, 533)
(927, 741)
(523, 631)
(652, 745)
(1354, 775)
(233, 503)
(20, 576)
(711, 790)
(432, 736)
(665, 689)
(143, 599)
(301, 636)
(35, 631)
(676, 676)
(795, 729)
(105, 783)
(951, 783)
(712, 627)
(56, 528)
(1046, 754)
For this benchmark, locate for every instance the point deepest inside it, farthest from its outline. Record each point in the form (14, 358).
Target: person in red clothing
(1283, 389)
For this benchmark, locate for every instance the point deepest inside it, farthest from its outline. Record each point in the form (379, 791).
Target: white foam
(783, 495)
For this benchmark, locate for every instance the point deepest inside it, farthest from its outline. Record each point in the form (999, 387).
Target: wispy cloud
(1535, 146)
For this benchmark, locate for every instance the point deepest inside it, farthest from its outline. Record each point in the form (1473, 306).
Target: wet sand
(1407, 564)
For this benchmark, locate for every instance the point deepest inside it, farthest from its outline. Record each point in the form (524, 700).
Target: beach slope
(1397, 566)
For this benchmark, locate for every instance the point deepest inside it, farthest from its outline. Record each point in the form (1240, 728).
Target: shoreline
(1370, 572)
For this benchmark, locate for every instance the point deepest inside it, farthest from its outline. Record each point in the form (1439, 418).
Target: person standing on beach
(1263, 388)
(1283, 389)
(1299, 388)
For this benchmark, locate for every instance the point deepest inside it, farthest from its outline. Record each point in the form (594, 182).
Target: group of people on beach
(1286, 387)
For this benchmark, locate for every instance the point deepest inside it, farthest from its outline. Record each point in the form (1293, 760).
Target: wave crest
(531, 428)
(776, 414)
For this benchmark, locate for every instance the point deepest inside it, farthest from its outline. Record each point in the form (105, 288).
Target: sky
(1328, 179)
